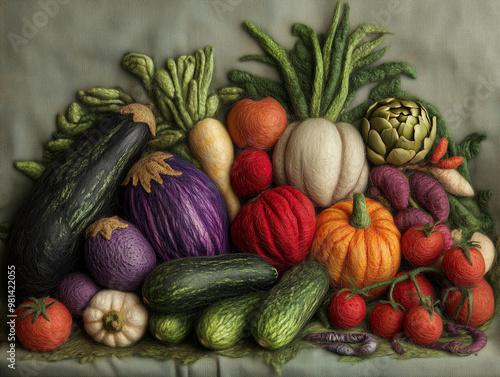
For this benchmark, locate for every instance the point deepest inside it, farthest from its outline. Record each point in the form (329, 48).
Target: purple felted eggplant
(117, 255)
(177, 207)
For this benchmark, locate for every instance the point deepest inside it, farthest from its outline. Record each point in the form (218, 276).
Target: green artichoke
(398, 132)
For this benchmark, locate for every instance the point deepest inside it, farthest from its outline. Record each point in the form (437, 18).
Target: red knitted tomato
(42, 324)
(422, 245)
(464, 265)
(422, 325)
(483, 304)
(278, 225)
(405, 292)
(386, 321)
(346, 312)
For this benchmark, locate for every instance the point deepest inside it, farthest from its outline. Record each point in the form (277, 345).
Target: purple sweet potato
(430, 195)
(409, 217)
(392, 183)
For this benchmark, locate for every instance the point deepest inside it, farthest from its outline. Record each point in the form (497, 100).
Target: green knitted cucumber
(185, 285)
(225, 322)
(290, 304)
(170, 328)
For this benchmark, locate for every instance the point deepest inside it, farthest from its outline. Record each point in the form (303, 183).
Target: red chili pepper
(450, 163)
(439, 150)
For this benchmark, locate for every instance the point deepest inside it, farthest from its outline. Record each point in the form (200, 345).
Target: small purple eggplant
(117, 255)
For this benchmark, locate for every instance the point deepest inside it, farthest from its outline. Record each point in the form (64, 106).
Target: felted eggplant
(177, 207)
(117, 254)
(74, 191)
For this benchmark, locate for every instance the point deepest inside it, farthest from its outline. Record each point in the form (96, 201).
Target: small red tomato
(251, 173)
(346, 312)
(386, 321)
(405, 292)
(422, 325)
(483, 304)
(422, 244)
(464, 265)
(42, 325)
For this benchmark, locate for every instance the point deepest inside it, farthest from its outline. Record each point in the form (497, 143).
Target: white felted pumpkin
(324, 160)
(115, 318)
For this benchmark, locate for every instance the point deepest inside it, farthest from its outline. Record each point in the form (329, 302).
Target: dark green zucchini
(184, 285)
(290, 304)
(224, 323)
(75, 190)
(170, 328)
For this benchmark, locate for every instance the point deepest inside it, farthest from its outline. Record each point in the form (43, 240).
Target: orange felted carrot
(439, 150)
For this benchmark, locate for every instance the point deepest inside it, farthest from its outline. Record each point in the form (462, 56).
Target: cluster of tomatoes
(411, 306)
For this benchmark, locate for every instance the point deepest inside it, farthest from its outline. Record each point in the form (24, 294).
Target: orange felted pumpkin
(358, 243)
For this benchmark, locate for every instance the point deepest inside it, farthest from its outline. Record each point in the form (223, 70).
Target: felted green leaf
(32, 169)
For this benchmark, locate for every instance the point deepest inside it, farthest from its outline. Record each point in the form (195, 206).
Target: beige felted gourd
(115, 318)
(324, 160)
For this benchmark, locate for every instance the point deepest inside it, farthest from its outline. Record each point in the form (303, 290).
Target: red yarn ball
(346, 312)
(251, 173)
(279, 226)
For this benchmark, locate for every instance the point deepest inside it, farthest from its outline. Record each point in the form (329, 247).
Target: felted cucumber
(170, 328)
(74, 191)
(290, 304)
(185, 285)
(226, 322)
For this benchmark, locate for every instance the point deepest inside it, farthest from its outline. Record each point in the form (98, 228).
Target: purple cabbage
(184, 216)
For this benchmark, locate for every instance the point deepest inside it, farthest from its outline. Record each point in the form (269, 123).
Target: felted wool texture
(256, 124)
(405, 292)
(324, 160)
(75, 291)
(123, 261)
(251, 173)
(183, 216)
(483, 306)
(279, 226)
(357, 257)
(45, 239)
(430, 195)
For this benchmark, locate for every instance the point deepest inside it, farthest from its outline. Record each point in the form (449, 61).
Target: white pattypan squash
(115, 318)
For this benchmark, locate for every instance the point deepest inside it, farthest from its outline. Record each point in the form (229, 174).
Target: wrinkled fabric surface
(49, 49)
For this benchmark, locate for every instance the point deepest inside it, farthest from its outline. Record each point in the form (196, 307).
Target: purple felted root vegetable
(409, 217)
(177, 207)
(430, 195)
(392, 183)
(75, 291)
(117, 255)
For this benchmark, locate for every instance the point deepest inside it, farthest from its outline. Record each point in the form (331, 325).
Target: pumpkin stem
(113, 321)
(360, 218)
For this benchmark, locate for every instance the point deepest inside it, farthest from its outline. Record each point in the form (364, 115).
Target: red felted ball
(251, 173)
(279, 226)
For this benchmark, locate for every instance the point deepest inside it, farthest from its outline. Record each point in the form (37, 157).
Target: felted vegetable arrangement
(314, 281)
